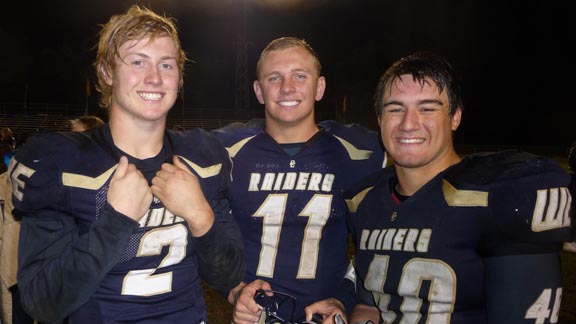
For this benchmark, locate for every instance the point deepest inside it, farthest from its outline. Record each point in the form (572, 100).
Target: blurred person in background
(85, 122)
(7, 146)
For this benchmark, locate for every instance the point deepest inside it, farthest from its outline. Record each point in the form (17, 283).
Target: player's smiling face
(145, 79)
(416, 125)
(289, 85)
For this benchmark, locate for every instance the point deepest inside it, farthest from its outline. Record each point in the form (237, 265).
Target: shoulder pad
(354, 196)
(381, 177)
(50, 143)
(356, 138)
(201, 150)
(487, 168)
(237, 131)
(346, 130)
(36, 168)
(78, 138)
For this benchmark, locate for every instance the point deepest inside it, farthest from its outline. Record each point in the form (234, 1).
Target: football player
(442, 238)
(288, 176)
(120, 223)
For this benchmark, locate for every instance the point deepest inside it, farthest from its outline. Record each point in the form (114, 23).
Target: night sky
(513, 57)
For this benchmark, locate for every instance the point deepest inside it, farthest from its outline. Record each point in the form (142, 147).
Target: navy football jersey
(290, 208)
(79, 257)
(479, 243)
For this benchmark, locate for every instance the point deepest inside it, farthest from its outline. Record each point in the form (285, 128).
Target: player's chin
(409, 161)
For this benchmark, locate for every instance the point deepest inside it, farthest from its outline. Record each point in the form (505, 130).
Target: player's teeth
(289, 103)
(150, 96)
(411, 140)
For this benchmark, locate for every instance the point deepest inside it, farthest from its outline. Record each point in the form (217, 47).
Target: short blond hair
(283, 43)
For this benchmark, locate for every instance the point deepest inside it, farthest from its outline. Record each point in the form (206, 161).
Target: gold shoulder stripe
(206, 172)
(233, 150)
(86, 182)
(464, 198)
(356, 200)
(353, 152)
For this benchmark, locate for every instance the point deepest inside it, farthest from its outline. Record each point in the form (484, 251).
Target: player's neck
(140, 140)
(285, 133)
(410, 180)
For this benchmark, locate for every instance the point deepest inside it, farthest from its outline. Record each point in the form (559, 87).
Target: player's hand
(570, 247)
(129, 192)
(328, 308)
(246, 310)
(180, 192)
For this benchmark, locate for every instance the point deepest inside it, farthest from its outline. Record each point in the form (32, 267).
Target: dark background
(513, 56)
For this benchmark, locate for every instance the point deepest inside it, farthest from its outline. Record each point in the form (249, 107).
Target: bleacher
(38, 117)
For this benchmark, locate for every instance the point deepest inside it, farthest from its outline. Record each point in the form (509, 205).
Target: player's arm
(364, 310)
(220, 251)
(217, 238)
(523, 288)
(529, 224)
(60, 267)
(364, 314)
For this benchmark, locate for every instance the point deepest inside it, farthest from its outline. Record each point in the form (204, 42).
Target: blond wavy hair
(136, 24)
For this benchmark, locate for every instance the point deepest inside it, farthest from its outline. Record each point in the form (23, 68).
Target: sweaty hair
(283, 43)
(423, 67)
(136, 24)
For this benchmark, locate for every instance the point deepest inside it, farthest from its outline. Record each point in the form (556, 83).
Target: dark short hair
(422, 66)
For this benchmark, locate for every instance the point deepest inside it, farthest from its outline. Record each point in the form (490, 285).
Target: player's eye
(301, 77)
(393, 110)
(428, 110)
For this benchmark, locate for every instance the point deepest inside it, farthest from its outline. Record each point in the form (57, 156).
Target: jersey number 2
(144, 282)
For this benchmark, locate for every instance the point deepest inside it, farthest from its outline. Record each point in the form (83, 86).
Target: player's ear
(258, 91)
(456, 118)
(320, 88)
(105, 75)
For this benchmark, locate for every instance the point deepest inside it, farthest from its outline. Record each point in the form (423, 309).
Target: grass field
(220, 312)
